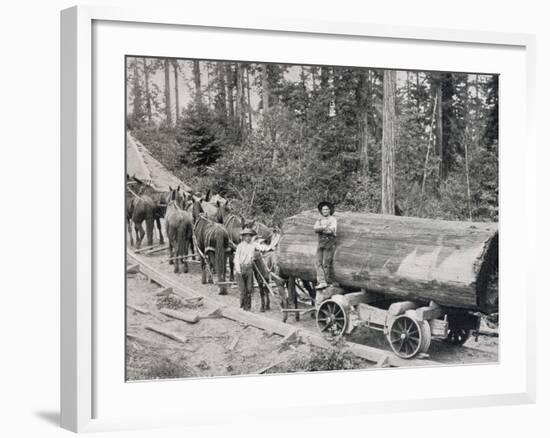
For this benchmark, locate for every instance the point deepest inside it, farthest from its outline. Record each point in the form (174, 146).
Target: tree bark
(230, 80)
(239, 107)
(265, 88)
(447, 116)
(148, 104)
(197, 80)
(248, 99)
(176, 91)
(388, 143)
(137, 111)
(363, 124)
(452, 263)
(221, 97)
(167, 100)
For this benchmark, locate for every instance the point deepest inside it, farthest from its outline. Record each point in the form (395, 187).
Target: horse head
(197, 207)
(223, 211)
(177, 197)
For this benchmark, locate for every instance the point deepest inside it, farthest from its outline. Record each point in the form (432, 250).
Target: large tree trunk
(363, 123)
(221, 96)
(167, 100)
(176, 90)
(265, 88)
(197, 80)
(137, 111)
(388, 143)
(447, 119)
(239, 116)
(148, 104)
(230, 81)
(249, 103)
(452, 263)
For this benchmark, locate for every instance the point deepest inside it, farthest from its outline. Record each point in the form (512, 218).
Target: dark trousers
(245, 280)
(324, 264)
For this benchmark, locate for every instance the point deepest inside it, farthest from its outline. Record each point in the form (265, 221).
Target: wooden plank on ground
(168, 333)
(190, 317)
(138, 309)
(164, 292)
(144, 249)
(155, 250)
(235, 341)
(271, 365)
(371, 354)
(132, 269)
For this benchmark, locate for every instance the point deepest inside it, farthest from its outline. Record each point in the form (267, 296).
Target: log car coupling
(413, 279)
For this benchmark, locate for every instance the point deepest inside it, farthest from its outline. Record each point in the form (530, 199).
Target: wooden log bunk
(452, 263)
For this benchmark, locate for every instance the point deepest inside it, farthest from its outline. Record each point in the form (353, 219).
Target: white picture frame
(81, 366)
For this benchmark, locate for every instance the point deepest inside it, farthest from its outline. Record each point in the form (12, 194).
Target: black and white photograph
(287, 218)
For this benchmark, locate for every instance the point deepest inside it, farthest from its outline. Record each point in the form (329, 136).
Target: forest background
(277, 139)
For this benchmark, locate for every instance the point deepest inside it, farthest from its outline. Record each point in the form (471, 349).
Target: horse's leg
(170, 245)
(311, 291)
(129, 226)
(293, 296)
(140, 232)
(192, 248)
(262, 291)
(211, 263)
(175, 243)
(149, 226)
(232, 266)
(184, 242)
(203, 268)
(161, 237)
(283, 293)
(267, 300)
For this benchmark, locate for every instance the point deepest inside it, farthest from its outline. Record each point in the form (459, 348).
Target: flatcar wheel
(332, 318)
(407, 337)
(457, 336)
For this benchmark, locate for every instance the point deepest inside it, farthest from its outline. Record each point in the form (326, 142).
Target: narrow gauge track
(156, 268)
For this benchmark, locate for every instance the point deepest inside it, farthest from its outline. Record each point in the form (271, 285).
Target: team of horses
(195, 225)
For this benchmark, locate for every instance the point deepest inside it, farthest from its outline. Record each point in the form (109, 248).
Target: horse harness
(232, 218)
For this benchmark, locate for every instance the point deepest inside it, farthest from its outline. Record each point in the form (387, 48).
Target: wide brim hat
(248, 231)
(328, 204)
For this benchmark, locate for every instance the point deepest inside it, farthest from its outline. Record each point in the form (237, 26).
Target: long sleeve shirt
(326, 227)
(244, 256)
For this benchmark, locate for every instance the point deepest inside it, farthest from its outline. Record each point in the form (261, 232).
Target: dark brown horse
(129, 207)
(160, 199)
(179, 229)
(234, 225)
(212, 244)
(143, 210)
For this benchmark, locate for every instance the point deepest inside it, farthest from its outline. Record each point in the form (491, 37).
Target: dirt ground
(208, 348)
(214, 346)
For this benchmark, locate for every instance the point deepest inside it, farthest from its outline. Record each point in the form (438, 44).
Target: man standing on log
(244, 259)
(325, 227)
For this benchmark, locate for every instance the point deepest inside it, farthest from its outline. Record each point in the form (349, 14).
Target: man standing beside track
(244, 259)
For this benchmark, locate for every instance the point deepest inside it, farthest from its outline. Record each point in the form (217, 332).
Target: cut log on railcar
(452, 263)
